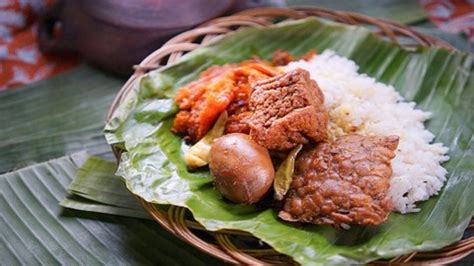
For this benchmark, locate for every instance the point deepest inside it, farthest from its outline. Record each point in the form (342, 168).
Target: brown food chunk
(309, 55)
(344, 182)
(287, 110)
(237, 123)
(281, 58)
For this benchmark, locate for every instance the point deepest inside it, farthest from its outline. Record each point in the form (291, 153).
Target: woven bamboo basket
(228, 245)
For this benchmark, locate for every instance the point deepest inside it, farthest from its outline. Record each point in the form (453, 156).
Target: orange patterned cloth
(453, 16)
(21, 62)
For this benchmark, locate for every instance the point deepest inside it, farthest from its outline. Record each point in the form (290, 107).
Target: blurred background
(41, 38)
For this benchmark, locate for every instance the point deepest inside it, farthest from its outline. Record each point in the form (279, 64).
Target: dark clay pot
(116, 34)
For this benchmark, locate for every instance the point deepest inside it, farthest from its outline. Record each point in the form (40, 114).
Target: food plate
(437, 79)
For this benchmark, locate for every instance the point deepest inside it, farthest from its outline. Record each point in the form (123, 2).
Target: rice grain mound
(359, 104)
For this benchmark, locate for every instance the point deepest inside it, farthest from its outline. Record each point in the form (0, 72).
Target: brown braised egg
(241, 168)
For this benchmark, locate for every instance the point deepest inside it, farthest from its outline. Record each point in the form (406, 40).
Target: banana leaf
(94, 181)
(79, 203)
(95, 188)
(54, 117)
(35, 230)
(440, 81)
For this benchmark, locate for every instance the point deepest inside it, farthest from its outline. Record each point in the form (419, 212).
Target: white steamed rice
(358, 103)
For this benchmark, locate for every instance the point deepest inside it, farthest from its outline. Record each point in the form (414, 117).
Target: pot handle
(52, 35)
